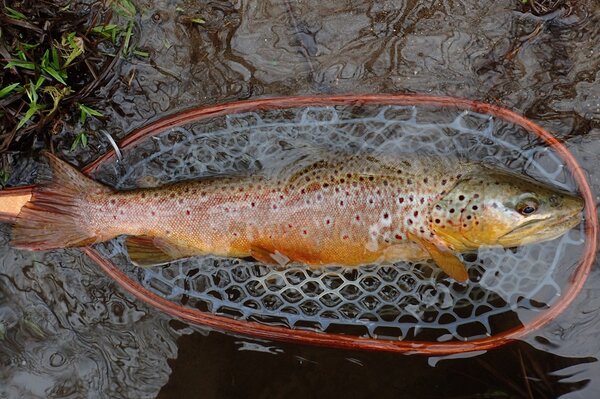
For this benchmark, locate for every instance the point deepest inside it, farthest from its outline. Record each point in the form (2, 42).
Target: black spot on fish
(461, 197)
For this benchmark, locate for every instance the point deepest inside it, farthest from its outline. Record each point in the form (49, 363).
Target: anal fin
(444, 258)
(147, 251)
(268, 257)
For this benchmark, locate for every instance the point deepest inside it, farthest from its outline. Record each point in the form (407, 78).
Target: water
(68, 331)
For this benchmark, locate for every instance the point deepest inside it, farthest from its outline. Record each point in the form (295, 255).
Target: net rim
(278, 333)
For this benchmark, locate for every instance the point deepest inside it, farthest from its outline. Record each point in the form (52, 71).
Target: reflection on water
(67, 331)
(282, 371)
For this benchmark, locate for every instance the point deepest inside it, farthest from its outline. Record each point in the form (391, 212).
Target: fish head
(491, 207)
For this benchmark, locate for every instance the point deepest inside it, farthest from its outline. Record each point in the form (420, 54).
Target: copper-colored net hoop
(345, 341)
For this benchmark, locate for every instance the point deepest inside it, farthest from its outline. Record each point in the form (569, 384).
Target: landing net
(403, 301)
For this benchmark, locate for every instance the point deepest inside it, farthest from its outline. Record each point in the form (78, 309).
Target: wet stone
(292, 295)
(349, 310)
(370, 302)
(388, 273)
(370, 283)
(350, 292)
(389, 293)
(330, 300)
(310, 308)
(312, 288)
(235, 293)
(255, 288)
(275, 283)
(222, 279)
(272, 302)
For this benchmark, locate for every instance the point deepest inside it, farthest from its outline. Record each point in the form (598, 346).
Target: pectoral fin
(268, 257)
(444, 258)
(147, 251)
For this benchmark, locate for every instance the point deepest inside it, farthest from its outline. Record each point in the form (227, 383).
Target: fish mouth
(542, 229)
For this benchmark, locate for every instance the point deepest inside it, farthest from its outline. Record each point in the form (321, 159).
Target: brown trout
(349, 211)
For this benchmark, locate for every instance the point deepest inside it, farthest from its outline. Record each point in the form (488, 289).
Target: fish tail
(56, 214)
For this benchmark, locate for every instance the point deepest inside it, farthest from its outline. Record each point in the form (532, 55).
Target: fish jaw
(494, 207)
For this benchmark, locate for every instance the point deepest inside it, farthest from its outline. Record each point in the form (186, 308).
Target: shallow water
(67, 331)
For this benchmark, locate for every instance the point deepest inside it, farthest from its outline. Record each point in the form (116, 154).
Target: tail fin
(55, 216)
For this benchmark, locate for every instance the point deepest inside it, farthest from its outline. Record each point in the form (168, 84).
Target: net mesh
(400, 301)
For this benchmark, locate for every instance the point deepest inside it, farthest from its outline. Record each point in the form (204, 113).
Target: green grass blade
(9, 89)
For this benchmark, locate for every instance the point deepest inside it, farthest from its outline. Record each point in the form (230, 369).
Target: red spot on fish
(153, 213)
(113, 201)
(357, 217)
(345, 237)
(416, 213)
(327, 221)
(398, 237)
(187, 212)
(385, 216)
(274, 206)
(253, 205)
(401, 199)
(304, 232)
(341, 203)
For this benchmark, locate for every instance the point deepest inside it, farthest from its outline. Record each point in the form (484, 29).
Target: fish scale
(342, 210)
(351, 212)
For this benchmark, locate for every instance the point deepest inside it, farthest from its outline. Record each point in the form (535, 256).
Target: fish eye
(527, 206)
